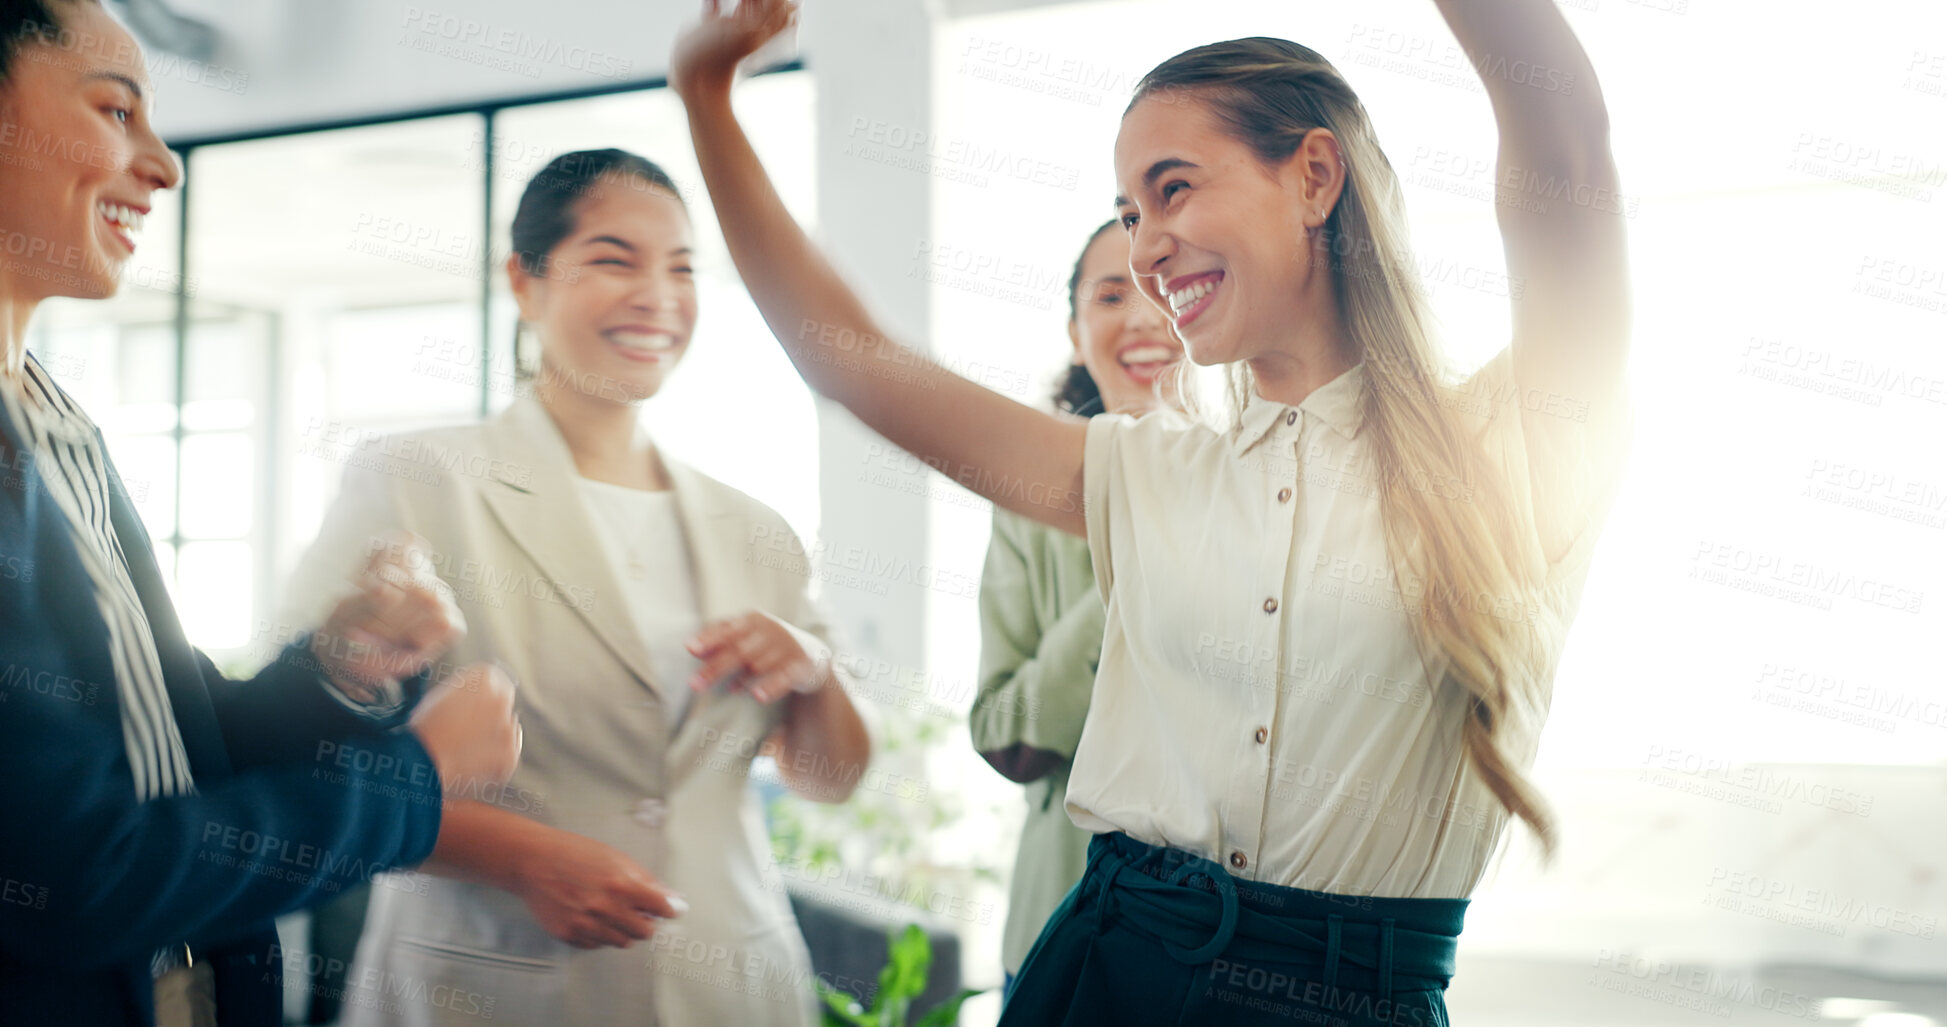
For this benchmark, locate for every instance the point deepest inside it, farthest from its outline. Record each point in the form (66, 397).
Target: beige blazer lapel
(534, 496)
(722, 588)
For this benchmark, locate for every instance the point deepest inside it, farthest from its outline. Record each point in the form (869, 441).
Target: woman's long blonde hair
(1448, 511)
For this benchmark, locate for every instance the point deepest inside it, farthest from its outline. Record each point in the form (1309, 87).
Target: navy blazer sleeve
(286, 710)
(92, 876)
(296, 799)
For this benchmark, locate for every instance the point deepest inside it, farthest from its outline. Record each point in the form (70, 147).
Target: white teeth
(1182, 298)
(125, 218)
(642, 340)
(1148, 355)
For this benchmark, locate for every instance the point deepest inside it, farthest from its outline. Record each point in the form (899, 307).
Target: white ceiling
(286, 62)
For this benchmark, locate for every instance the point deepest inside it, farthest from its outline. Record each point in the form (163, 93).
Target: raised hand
(402, 618)
(706, 56)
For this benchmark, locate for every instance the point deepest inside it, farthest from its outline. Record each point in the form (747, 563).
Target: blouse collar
(1338, 403)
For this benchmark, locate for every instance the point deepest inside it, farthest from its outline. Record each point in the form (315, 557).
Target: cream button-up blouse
(1261, 699)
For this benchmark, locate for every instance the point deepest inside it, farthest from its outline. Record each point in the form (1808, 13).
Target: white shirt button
(651, 812)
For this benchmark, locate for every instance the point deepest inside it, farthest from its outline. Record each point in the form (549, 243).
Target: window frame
(181, 324)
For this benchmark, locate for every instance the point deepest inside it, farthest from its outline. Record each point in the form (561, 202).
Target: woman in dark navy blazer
(158, 816)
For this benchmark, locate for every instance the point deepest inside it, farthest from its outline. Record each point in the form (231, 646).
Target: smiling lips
(1191, 295)
(1144, 361)
(124, 222)
(638, 342)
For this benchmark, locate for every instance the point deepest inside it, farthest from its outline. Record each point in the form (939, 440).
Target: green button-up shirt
(1041, 636)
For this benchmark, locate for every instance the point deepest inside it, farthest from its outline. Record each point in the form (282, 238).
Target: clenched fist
(402, 618)
(467, 724)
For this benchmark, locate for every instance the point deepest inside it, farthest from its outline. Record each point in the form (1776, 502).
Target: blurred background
(1749, 725)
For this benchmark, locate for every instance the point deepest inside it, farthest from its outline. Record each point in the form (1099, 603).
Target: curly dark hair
(28, 21)
(1077, 393)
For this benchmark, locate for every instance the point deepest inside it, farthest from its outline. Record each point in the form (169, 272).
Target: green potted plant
(902, 979)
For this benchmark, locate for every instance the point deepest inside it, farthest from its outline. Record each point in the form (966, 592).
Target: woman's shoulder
(1163, 427)
(1163, 421)
(431, 457)
(1158, 442)
(713, 494)
(396, 442)
(1481, 395)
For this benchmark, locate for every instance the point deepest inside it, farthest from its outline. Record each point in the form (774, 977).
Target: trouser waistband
(1201, 914)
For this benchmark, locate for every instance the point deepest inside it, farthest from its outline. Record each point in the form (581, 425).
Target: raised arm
(1024, 460)
(1557, 197)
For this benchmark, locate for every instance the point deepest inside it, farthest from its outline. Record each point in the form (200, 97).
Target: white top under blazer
(642, 532)
(1261, 699)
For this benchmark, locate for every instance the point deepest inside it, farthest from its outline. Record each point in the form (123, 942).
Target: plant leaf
(841, 1009)
(911, 957)
(947, 1013)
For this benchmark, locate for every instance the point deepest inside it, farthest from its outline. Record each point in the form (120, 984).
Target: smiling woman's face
(1215, 236)
(79, 160)
(1119, 335)
(616, 307)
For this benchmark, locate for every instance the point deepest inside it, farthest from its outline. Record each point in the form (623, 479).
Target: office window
(334, 293)
(341, 274)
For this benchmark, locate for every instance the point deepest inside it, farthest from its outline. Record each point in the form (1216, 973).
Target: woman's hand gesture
(706, 57)
(591, 895)
(761, 655)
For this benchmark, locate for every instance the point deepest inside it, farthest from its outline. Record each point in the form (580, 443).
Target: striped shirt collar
(72, 467)
(46, 408)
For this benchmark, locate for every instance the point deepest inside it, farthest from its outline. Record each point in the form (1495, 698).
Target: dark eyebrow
(1156, 171)
(612, 241)
(116, 76)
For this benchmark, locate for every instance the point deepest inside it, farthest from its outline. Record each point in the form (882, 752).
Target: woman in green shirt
(1040, 613)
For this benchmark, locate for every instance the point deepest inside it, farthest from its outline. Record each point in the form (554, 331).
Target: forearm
(1023, 459)
(1558, 198)
(824, 328)
(1537, 76)
(121, 877)
(823, 746)
(284, 713)
(1028, 716)
(484, 844)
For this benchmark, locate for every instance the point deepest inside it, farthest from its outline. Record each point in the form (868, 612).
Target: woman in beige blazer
(660, 629)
